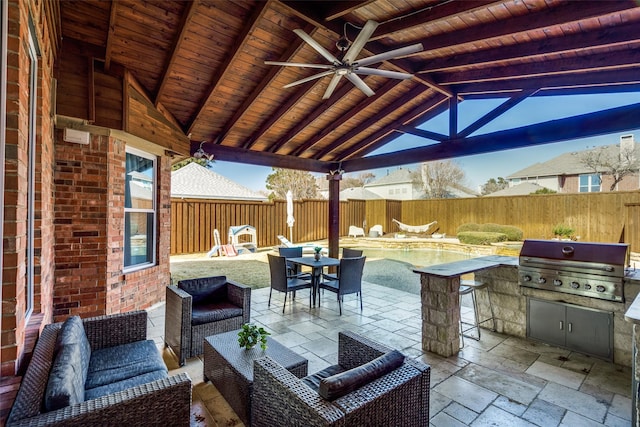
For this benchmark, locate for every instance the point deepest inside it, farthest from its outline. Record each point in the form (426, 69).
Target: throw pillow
(338, 385)
(205, 289)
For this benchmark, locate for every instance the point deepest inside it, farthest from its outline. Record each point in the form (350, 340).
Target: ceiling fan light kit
(347, 66)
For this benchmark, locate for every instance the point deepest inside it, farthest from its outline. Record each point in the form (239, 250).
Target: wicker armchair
(398, 398)
(198, 308)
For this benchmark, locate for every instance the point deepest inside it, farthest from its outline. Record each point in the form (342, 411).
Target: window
(139, 210)
(31, 171)
(589, 183)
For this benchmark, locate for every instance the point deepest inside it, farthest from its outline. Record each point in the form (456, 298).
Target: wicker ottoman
(230, 368)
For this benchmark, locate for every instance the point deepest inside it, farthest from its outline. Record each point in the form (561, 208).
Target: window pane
(138, 238)
(140, 177)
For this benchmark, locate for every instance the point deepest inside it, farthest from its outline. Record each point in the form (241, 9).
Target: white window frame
(154, 210)
(591, 177)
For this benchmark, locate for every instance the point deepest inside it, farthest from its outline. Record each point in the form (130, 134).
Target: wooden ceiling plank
(629, 59)
(613, 120)
(389, 109)
(225, 68)
(432, 13)
(110, 35)
(603, 38)
(496, 112)
(264, 83)
(389, 85)
(185, 22)
(597, 78)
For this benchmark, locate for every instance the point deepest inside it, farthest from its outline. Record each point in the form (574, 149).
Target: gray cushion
(115, 387)
(72, 332)
(207, 313)
(113, 364)
(205, 289)
(65, 385)
(345, 382)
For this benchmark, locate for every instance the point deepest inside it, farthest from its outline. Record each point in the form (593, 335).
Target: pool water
(394, 267)
(417, 257)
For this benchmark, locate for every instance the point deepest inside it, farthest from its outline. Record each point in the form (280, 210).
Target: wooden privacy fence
(598, 217)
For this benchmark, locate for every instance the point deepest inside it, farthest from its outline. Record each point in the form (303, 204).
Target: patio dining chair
(349, 280)
(280, 281)
(346, 253)
(293, 270)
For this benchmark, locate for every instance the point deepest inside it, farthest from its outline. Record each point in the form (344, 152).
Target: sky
(479, 168)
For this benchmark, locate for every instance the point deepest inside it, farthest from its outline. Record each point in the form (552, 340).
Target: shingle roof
(358, 193)
(198, 182)
(517, 190)
(398, 176)
(568, 163)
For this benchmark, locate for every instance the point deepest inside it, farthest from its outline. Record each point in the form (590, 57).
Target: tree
(435, 178)
(492, 185)
(301, 183)
(617, 164)
(182, 163)
(357, 181)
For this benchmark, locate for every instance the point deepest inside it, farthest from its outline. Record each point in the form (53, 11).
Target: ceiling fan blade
(384, 73)
(332, 86)
(299, 64)
(360, 41)
(308, 79)
(360, 84)
(317, 46)
(407, 50)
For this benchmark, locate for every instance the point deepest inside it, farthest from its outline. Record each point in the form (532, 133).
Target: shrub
(481, 237)
(468, 227)
(563, 230)
(514, 234)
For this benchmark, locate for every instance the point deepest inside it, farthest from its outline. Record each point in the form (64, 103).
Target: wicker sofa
(91, 387)
(399, 397)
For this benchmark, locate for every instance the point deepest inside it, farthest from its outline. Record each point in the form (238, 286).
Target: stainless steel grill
(593, 270)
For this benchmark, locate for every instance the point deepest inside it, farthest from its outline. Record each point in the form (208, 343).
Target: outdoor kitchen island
(441, 310)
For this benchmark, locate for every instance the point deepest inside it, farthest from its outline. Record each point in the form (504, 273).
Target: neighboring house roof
(398, 176)
(457, 190)
(517, 190)
(569, 163)
(198, 182)
(360, 193)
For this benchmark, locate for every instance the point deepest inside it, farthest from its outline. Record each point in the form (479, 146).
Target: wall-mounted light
(201, 154)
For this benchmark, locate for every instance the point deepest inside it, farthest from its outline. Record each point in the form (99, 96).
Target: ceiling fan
(346, 64)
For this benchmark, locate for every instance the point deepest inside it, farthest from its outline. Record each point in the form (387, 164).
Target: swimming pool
(394, 267)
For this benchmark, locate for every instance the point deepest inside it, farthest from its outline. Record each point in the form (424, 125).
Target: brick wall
(14, 322)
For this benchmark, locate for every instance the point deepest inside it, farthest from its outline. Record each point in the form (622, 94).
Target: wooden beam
(613, 120)
(495, 113)
(177, 44)
(597, 78)
(573, 66)
(415, 117)
(110, 35)
(260, 158)
(226, 68)
(372, 120)
(345, 117)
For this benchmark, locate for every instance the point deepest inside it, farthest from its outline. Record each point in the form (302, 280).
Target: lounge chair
(356, 231)
(307, 248)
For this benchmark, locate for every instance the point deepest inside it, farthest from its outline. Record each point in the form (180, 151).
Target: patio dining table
(317, 266)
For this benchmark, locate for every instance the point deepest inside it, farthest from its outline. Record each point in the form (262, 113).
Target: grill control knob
(587, 286)
(600, 288)
(526, 278)
(542, 280)
(557, 282)
(575, 285)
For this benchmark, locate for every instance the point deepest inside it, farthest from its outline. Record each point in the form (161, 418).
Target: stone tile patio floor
(497, 381)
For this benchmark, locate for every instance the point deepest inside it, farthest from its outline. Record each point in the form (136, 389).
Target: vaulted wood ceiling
(202, 62)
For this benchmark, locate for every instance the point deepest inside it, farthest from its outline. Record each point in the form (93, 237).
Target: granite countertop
(471, 265)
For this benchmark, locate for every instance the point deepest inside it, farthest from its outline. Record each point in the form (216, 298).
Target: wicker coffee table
(230, 368)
